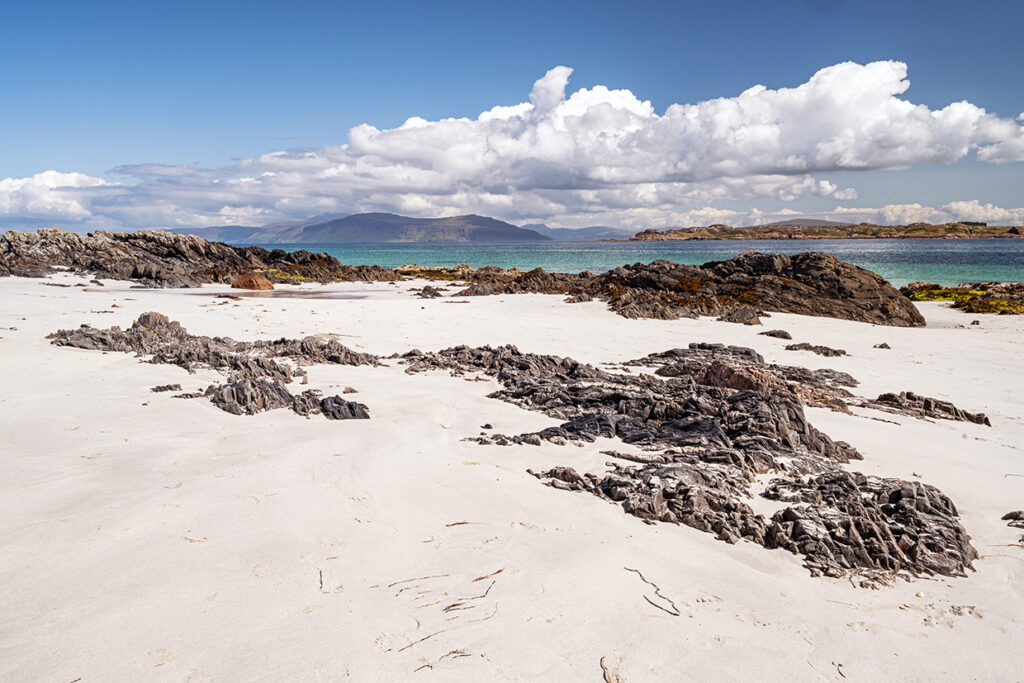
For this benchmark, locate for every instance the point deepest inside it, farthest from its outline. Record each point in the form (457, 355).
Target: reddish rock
(252, 281)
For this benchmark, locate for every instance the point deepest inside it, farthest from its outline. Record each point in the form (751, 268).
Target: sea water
(946, 262)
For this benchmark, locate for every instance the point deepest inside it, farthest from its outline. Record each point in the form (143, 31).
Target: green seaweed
(970, 300)
(943, 294)
(991, 304)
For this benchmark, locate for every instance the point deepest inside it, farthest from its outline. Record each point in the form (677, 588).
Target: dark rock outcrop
(1014, 518)
(429, 292)
(809, 284)
(744, 315)
(255, 380)
(153, 334)
(734, 367)
(162, 259)
(845, 520)
(778, 334)
(336, 408)
(815, 348)
(907, 402)
(251, 396)
(713, 419)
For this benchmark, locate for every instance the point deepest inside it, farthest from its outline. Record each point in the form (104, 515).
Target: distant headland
(806, 229)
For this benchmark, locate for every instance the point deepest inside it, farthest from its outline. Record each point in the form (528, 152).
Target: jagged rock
(166, 387)
(250, 396)
(845, 520)
(883, 345)
(252, 281)
(778, 334)
(742, 368)
(255, 379)
(1014, 518)
(332, 407)
(579, 298)
(713, 419)
(744, 315)
(336, 408)
(908, 402)
(430, 292)
(637, 303)
(818, 284)
(820, 350)
(310, 351)
(153, 334)
(705, 497)
(162, 259)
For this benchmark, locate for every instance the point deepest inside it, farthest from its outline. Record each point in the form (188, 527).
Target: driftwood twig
(657, 591)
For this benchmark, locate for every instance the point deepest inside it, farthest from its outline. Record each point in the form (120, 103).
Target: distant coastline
(831, 231)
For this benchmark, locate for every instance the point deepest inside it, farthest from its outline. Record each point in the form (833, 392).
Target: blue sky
(90, 89)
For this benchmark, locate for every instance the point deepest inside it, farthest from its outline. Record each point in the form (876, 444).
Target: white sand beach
(151, 538)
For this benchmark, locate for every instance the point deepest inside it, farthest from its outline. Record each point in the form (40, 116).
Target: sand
(150, 538)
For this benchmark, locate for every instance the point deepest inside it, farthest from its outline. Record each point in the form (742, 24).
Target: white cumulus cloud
(973, 210)
(49, 194)
(565, 156)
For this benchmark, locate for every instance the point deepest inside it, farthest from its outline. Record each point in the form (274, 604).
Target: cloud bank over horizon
(593, 156)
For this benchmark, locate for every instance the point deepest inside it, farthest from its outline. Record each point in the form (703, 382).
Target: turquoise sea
(947, 262)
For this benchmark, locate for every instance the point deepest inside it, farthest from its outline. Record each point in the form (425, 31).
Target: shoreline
(167, 259)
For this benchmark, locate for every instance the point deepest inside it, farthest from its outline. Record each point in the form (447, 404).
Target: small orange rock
(252, 281)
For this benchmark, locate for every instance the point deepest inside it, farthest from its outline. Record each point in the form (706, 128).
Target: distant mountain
(598, 232)
(221, 233)
(374, 228)
(290, 225)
